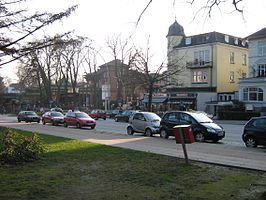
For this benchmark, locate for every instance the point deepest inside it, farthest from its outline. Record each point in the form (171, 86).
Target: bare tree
(2, 85)
(121, 50)
(16, 19)
(207, 6)
(92, 75)
(151, 75)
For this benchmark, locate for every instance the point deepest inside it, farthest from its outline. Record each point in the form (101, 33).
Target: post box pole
(182, 137)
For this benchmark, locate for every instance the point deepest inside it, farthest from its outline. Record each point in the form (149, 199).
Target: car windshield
(82, 115)
(201, 118)
(152, 117)
(30, 113)
(57, 114)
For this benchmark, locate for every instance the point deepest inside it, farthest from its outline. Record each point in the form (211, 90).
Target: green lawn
(77, 170)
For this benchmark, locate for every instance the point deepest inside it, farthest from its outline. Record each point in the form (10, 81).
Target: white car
(144, 122)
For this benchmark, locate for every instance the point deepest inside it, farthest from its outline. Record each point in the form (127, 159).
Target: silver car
(144, 122)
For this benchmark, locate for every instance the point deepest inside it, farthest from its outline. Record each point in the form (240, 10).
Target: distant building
(112, 85)
(211, 65)
(252, 90)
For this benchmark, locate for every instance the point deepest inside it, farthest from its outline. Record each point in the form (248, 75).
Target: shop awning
(155, 100)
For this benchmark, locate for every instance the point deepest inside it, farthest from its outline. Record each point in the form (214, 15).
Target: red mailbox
(187, 132)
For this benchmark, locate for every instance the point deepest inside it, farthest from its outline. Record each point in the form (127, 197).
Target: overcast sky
(100, 19)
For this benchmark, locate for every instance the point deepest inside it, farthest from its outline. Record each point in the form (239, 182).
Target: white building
(252, 90)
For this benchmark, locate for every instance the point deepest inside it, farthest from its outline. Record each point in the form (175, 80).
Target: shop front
(182, 101)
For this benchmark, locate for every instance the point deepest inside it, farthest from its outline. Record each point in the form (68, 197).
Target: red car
(54, 118)
(79, 119)
(97, 114)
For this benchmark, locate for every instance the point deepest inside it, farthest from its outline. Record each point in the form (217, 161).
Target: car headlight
(211, 130)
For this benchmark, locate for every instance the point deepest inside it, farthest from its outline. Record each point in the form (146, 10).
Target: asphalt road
(230, 151)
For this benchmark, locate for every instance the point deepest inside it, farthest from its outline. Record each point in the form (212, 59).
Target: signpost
(184, 135)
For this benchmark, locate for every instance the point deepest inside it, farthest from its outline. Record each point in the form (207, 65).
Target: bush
(17, 148)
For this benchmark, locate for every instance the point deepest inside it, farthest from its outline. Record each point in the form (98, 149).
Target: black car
(113, 113)
(254, 133)
(28, 116)
(203, 127)
(124, 116)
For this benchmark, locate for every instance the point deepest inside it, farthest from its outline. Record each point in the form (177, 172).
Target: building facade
(252, 90)
(210, 65)
(112, 85)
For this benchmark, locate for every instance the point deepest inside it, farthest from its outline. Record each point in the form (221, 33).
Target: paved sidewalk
(216, 153)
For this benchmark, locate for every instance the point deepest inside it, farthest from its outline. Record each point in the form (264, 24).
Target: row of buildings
(216, 70)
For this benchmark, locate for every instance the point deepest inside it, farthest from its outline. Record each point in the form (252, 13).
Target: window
(236, 41)
(244, 59)
(199, 76)
(262, 48)
(253, 94)
(226, 38)
(260, 123)
(232, 57)
(232, 77)
(201, 57)
(188, 40)
(261, 70)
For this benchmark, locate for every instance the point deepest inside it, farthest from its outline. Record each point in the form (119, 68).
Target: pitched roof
(259, 34)
(212, 37)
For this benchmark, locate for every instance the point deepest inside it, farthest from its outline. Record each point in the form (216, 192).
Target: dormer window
(236, 41)
(188, 40)
(226, 38)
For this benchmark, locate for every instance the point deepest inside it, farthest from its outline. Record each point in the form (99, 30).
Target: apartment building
(252, 89)
(210, 65)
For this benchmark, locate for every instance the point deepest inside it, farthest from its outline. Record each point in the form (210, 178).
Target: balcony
(200, 64)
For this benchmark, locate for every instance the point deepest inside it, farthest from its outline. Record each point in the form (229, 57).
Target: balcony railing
(200, 64)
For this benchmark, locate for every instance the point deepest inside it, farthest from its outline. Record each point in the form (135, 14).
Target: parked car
(98, 114)
(56, 109)
(113, 113)
(54, 118)
(79, 119)
(28, 116)
(144, 122)
(254, 132)
(203, 127)
(124, 116)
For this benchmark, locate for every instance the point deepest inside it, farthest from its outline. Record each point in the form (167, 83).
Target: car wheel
(92, 127)
(163, 134)
(130, 130)
(38, 121)
(148, 132)
(199, 137)
(43, 122)
(104, 118)
(250, 142)
(116, 120)
(96, 118)
(78, 125)
(19, 120)
(26, 121)
(65, 124)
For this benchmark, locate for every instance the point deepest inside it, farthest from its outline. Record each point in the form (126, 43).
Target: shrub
(17, 148)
